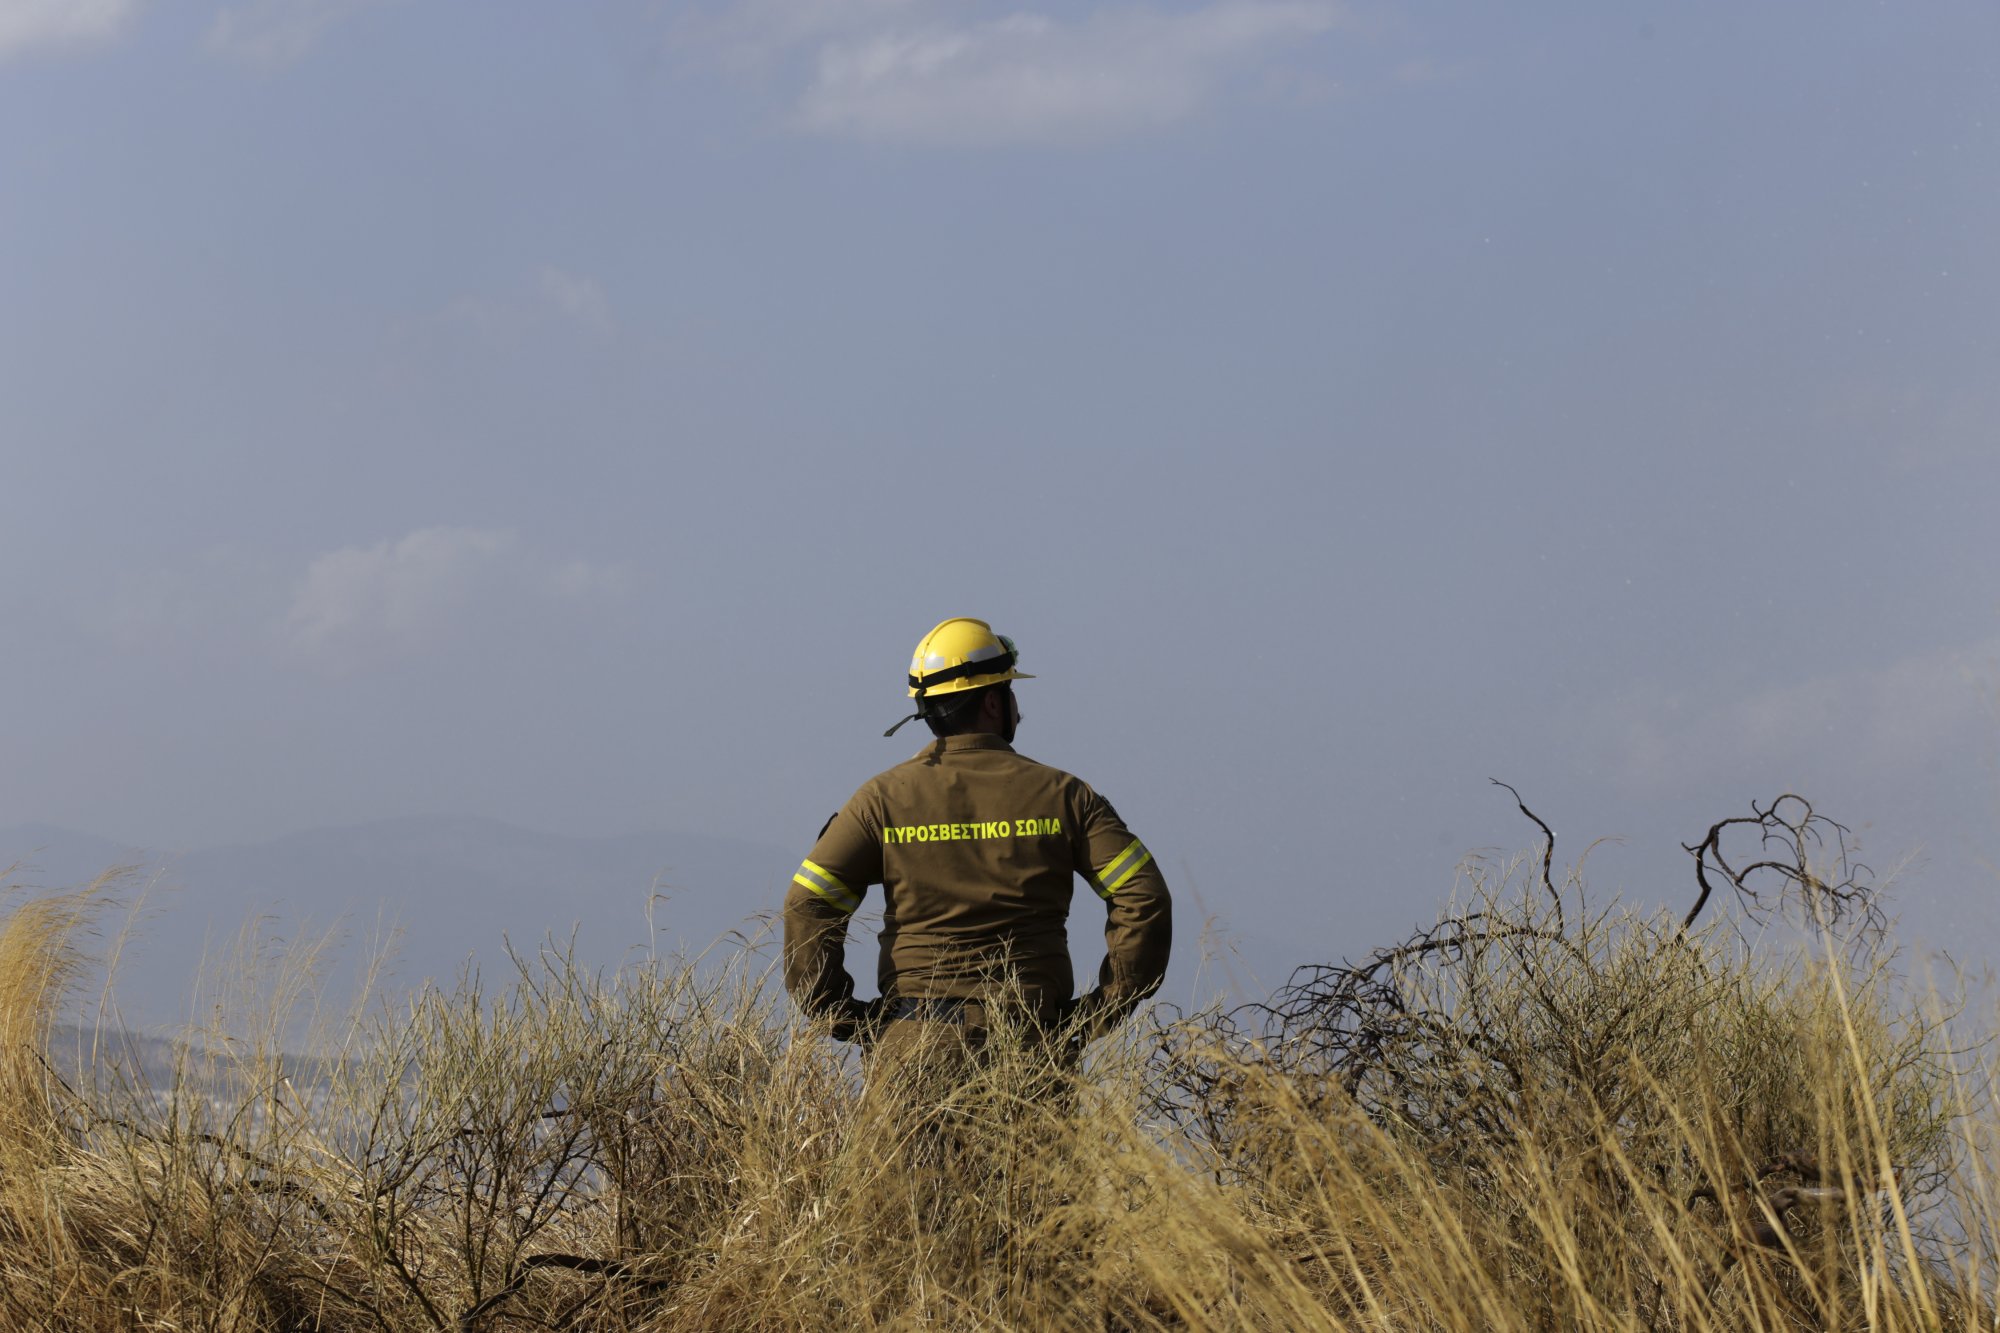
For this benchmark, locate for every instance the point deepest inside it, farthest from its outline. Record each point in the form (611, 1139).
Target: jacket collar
(972, 740)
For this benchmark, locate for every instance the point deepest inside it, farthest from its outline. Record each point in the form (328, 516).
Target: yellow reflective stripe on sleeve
(827, 886)
(1121, 869)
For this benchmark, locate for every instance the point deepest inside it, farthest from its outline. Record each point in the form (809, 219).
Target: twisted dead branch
(1789, 836)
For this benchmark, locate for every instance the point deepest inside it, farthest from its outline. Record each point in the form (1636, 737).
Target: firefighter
(977, 849)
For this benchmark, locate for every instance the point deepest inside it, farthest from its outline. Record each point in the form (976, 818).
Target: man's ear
(994, 707)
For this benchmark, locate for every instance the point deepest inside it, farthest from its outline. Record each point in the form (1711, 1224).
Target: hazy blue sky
(573, 413)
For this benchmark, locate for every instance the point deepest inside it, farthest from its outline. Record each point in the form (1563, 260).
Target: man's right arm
(825, 891)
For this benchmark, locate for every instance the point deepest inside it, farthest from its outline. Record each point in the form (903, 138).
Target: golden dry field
(1548, 1112)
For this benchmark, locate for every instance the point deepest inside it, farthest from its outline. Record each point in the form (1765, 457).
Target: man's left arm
(1139, 914)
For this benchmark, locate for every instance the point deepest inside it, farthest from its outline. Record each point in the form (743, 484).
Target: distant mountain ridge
(45, 856)
(455, 890)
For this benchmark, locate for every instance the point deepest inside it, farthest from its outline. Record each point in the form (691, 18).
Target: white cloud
(1899, 719)
(752, 33)
(550, 302)
(363, 604)
(577, 296)
(30, 23)
(918, 72)
(268, 34)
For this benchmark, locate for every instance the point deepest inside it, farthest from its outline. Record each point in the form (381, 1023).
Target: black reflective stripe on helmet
(985, 666)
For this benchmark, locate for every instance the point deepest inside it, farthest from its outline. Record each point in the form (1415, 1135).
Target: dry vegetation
(1545, 1113)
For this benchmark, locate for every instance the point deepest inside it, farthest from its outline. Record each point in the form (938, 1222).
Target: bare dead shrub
(1679, 1094)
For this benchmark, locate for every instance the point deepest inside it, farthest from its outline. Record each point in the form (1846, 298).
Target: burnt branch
(1358, 1030)
(1788, 851)
(1548, 848)
(575, 1263)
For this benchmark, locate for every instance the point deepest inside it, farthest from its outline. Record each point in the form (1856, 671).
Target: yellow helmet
(960, 654)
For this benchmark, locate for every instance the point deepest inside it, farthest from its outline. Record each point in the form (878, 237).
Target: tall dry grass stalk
(1568, 1118)
(39, 962)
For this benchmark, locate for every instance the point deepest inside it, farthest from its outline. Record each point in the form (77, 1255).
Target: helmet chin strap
(929, 707)
(922, 690)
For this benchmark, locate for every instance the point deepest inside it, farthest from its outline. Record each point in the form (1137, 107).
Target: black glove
(856, 1021)
(1086, 1014)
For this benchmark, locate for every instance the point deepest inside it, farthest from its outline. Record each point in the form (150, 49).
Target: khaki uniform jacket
(977, 849)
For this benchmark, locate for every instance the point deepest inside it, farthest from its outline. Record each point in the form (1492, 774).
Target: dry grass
(1581, 1120)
